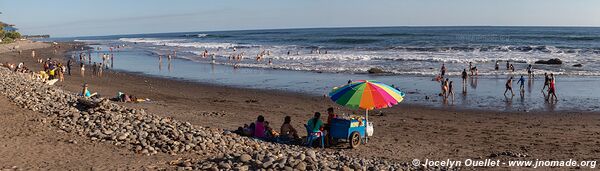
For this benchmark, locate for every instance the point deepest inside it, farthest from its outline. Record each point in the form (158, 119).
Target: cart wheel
(354, 139)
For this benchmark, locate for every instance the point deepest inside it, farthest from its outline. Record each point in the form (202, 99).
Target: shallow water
(483, 92)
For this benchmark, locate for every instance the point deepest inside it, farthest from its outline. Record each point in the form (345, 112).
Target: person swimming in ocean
(509, 86)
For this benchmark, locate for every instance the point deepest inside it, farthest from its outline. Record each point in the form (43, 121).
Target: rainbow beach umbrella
(367, 95)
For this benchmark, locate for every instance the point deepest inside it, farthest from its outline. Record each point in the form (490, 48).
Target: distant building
(8, 27)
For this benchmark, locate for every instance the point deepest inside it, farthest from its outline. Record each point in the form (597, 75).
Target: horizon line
(332, 27)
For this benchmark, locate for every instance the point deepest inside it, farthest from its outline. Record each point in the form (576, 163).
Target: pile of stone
(102, 120)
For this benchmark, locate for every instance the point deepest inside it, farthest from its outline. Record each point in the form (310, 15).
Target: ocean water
(313, 61)
(397, 50)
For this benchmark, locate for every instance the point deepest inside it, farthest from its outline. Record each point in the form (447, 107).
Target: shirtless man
(546, 82)
(509, 86)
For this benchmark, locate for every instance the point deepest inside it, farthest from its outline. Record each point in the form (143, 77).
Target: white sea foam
(394, 61)
(179, 43)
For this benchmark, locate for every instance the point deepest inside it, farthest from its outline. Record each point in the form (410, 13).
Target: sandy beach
(402, 133)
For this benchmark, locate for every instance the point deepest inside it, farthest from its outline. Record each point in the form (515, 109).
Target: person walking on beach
(546, 82)
(94, 71)
(443, 88)
(443, 70)
(69, 63)
(112, 60)
(33, 54)
(60, 72)
(451, 91)
(82, 70)
(100, 67)
(509, 86)
(552, 88)
(521, 83)
(512, 68)
(507, 65)
(464, 80)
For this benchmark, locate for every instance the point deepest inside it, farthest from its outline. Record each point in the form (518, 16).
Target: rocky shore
(103, 121)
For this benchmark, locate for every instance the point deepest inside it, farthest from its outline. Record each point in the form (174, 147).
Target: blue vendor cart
(352, 130)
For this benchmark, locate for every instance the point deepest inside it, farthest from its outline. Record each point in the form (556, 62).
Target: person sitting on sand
(315, 124)
(86, 93)
(509, 86)
(249, 129)
(246, 130)
(287, 130)
(259, 127)
(19, 67)
(330, 116)
(270, 133)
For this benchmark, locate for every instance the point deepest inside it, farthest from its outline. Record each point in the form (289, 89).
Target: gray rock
(300, 166)
(311, 154)
(245, 158)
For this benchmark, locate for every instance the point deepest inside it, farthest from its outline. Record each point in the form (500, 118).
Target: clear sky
(61, 18)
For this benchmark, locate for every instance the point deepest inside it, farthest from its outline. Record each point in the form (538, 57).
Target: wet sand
(403, 133)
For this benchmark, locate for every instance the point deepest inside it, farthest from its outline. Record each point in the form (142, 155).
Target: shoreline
(402, 133)
(484, 93)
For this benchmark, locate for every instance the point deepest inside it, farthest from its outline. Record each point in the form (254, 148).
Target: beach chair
(312, 136)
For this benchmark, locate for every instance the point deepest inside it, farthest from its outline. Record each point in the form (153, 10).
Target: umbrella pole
(366, 125)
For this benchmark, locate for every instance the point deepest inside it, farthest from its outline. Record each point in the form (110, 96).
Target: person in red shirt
(330, 115)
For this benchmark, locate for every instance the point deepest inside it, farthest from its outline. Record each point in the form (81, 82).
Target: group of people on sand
(54, 70)
(261, 129)
(97, 68)
(549, 89)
